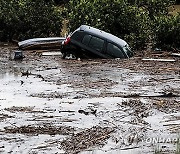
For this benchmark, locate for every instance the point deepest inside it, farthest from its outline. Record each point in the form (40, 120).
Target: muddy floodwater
(49, 105)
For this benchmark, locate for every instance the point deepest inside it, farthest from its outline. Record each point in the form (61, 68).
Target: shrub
(115, 16)
(167, 31)
(153, 7)
(21, 19)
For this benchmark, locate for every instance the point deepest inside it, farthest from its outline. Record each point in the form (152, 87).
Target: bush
(167, 31)
(136, 21)
(22, 19)
(115, 16)
(153, 7)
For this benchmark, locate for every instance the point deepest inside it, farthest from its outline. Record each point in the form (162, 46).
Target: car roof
(103, 34)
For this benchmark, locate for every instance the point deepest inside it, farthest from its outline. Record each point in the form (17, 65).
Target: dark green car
(89, 42)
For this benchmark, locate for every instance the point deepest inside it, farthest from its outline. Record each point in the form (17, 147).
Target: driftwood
(67, 111)
(41, 129)
(51, 53)
(176, 54)
(87, 112)
(170, 94)
(160, 60)
(94, 136)
(161, 94)
(129, 148)
(27, 73)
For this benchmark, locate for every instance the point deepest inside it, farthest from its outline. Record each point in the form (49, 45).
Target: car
(89, 42)
(41, 43)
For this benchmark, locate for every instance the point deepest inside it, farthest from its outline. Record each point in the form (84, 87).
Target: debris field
(89, 106)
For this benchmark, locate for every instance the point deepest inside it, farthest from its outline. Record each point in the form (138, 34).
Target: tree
(167, 31)
(115, 16)
(22, 19)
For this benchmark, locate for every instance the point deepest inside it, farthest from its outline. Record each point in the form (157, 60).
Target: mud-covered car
(89, 42)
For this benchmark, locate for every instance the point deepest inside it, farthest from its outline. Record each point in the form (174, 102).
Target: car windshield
(128, 50)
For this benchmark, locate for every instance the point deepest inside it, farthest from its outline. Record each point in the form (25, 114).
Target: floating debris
(15, 109)
(87, 112)
(5, 116)
(41, 129)
(28, 109)
(41, 43)
(166, 105)
(94, 136)
(176, 54)
(160, 60)
(52, 54)
(18, 55)
(48, 95)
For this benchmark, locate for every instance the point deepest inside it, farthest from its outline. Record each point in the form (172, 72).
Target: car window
(86, 39)
(96, 43)
(114, 51)
(77, 36)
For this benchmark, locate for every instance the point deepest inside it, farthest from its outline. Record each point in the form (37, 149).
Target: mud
(50, 105)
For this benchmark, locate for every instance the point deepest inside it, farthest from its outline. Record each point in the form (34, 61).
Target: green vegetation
(22, 19)
(126, 21)
(139, 22)
(167, 30)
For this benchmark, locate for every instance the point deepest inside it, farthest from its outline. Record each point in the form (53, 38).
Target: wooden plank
(160, 60)
(51, 54)
(176, 54)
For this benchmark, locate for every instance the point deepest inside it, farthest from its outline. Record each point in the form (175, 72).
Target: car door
(94, 45)
(97, 44)
(115, 51)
